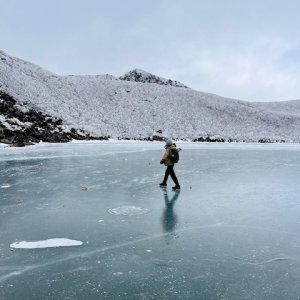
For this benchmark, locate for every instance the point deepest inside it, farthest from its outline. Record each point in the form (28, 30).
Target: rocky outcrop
(266, 141)
(145, 77)
(210, 139)
(21, 125)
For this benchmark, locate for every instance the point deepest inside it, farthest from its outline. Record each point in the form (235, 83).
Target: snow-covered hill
(123, 108)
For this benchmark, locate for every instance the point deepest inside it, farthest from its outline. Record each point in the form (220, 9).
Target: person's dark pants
(170, 171)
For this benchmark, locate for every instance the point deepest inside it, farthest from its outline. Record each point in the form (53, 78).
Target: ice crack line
(104, 249)
(152, 237)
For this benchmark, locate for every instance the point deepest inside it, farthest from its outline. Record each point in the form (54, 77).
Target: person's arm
(165, 156)
(178, 149)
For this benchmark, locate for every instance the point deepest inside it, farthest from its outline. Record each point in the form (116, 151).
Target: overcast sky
(245, 49)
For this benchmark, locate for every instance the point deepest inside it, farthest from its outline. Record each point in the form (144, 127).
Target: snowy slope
(287, 107)
(106, 106)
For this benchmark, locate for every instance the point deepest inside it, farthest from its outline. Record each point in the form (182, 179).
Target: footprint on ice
(59, 242)
(128, 210)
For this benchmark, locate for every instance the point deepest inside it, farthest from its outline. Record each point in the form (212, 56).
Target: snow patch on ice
(128, 210)
(5, 186)
(50, 243)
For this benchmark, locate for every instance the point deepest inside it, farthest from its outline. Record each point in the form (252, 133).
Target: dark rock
(153, 138)
(5, 141)
(7, 98)
(209, 139)
(8, 133)
(2, 135)
(20, 144)
(158, 138)
(264, 141)
(59, 122)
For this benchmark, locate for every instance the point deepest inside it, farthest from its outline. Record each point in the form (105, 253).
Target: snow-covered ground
(106, 106)
(231, 233)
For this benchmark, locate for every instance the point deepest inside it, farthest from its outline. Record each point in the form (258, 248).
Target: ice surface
(50, 243)
(231, 233)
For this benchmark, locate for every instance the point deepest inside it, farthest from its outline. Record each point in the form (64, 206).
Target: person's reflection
(169, 219)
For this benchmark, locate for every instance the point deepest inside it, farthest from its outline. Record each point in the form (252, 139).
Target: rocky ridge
(146, 77)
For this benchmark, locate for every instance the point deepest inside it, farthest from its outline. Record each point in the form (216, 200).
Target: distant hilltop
(38, 105)
(143, 76)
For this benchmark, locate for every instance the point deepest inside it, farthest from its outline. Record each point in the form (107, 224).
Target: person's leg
(167, 173)
(173, 176)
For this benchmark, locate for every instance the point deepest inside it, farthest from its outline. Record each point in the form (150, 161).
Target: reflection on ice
(169, 216)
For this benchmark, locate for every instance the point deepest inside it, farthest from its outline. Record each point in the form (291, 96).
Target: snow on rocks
(143, 76)
(20, 127)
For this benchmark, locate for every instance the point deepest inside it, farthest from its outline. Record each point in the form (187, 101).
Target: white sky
(245, 49)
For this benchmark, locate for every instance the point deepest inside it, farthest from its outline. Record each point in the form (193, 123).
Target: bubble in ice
(128, 210)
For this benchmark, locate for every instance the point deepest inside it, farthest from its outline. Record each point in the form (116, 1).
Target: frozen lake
(88, 221)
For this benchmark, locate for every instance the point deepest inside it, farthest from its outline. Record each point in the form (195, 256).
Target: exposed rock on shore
(21, 125)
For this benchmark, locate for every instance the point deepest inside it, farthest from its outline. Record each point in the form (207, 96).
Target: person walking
(166, 160)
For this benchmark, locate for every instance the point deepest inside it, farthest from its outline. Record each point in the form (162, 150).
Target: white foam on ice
(50, 243)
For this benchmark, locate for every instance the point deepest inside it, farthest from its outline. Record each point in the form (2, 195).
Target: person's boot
(162, 184)
(176, 188)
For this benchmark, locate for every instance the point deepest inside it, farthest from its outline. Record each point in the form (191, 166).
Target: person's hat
(169, 142)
